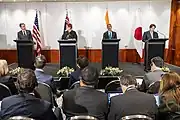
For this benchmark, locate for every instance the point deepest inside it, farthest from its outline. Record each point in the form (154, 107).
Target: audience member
(82, 62)
(86, 100)
(5, 78)
(155, 75)
(170, 96)
(25, 103)
(132, 102)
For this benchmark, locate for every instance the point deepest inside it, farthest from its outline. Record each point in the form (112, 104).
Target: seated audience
(25, 103)
(132, 102)
(170, 96)
(155, 75)
(5, 78)
(82, 62)
(86, 100)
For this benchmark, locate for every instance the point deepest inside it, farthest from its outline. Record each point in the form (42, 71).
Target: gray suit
(21, 36)
(150, 78)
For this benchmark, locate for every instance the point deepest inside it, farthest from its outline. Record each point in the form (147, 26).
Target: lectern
(110, 52)
(154, 48)
(68, 53)
(25, 53)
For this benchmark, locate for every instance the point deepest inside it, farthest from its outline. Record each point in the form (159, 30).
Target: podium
(68, 53)
(110, 52)
(25, 53)
(153, 48)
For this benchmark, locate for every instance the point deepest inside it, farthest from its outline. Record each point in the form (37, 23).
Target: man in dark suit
(132, 102)
(82, 62)
(24, 34)
(25, 103)
(69, 33)
(86, 100)
(155, 75)
(109, 34)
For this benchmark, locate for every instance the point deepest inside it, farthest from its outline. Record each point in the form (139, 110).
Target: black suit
(74, 77)
(132, 102)
(106, 35)
(27, 36)
(85, 101)
(69, 35)
(27, 105)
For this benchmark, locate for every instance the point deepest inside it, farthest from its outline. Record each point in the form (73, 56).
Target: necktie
(110, 35)
(24, 33)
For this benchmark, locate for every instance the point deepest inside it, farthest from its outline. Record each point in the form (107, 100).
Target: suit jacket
(85, 101)
(132, 102)
(69, 35)
(106, 36)
(26, 105)
(48, 79)
(150, 78)
(9, 82)
(28, 35)
(74, 77)
(147, 36)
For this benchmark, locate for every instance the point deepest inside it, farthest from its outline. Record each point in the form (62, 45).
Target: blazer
(26, 105)
(106, 36)
(147, 36)
(24, 37)
(69, 35)
(149, 78)
(74, 77)
(9, 82)
(132, 102)
(85, 101)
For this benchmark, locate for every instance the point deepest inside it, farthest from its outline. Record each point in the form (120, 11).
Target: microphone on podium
(161, 33)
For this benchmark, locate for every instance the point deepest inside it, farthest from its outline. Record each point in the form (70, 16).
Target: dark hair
(21, 24)
(152, 25)
(82, 62)
(40, 61)
(70, 25)
(89, 75)
(127, 80)
(26, 81)
(158, 61)
(109, 24)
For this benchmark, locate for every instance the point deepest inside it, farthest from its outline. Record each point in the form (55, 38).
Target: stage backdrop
(87, 19)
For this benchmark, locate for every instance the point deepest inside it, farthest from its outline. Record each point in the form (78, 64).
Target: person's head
(40, 62)
(69, 26)
(26, 81)
(109, 27)
(3, 68)
(170, 86)
(22, 26)
(152, 27)
(127, 81)
(156, 62)
(89, 76)
(82, 62)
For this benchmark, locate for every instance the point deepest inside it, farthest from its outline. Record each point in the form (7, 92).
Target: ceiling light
(14, 0)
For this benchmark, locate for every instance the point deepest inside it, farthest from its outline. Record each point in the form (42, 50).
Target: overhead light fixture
(14, 0)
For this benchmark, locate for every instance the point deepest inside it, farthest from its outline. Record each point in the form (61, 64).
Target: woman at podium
(69, 33)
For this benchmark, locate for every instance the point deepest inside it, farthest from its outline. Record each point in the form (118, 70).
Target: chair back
(113, 86)
(83, 118)
(136, 117)
(4, 91)
(75, 85)
(45, 92)
(20, 118)
(154, 88)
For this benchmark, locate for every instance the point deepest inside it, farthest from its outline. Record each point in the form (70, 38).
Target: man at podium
(69, 33)
(24, 34)
(109, 34)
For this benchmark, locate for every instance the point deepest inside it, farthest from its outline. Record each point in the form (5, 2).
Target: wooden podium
(153, 48)
(68, 53)
(110, 52)
(25, 53)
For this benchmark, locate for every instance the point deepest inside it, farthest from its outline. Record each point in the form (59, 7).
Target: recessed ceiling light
(14, 0)
(28, 0)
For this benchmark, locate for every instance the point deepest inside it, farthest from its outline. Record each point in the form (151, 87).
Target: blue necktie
(110, 34)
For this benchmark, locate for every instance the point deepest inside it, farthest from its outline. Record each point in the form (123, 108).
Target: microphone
(161, 33)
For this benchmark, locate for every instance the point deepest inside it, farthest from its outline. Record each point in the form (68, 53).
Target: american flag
(66, 21)
(36, 35)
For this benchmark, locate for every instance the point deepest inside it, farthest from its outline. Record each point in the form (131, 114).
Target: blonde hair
(3, 68)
